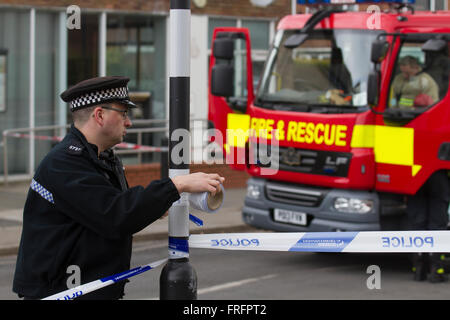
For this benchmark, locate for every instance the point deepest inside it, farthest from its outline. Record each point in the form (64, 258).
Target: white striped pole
(178, 278)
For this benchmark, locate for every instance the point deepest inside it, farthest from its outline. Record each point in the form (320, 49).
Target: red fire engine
(331, 136)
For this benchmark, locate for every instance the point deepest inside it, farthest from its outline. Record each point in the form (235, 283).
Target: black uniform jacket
(80, 211)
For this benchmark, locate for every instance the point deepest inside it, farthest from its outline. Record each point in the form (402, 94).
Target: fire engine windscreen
(327, 68)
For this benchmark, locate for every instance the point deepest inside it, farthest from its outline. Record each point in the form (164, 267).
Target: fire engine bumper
(297, 208)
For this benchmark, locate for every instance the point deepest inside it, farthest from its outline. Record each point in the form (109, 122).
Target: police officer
(80, 211)
(412, 82)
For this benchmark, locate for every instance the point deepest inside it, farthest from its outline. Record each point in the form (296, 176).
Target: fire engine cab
(332, 135)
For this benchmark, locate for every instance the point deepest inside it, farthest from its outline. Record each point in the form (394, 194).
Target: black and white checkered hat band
(98, 97)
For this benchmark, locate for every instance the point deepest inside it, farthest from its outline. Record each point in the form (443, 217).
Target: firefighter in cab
(412, 87)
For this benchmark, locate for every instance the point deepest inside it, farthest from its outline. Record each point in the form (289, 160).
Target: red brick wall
(145, 173)
(138, 5)
(243, 8)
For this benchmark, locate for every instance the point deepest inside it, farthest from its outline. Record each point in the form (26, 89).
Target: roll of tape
(205, 201)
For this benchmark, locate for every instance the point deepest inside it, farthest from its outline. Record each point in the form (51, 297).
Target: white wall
(199, 81)
(199, 66)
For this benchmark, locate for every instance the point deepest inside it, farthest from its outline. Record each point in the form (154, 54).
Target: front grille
(306, 160)
(329, 163)
(285, 193)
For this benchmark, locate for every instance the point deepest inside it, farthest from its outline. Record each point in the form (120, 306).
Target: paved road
(238, 275)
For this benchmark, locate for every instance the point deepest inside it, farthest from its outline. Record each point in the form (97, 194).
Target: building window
(83, 50)
(15, 40)
(218, 23)
(259, 33)
(3, 77)
(425, 5)
(135, 47)
(129, 45)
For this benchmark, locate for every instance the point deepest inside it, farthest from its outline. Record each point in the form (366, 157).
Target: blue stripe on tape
(179, 244)
(74, 295)
(196, 220)
(324, 241)
(126, 274)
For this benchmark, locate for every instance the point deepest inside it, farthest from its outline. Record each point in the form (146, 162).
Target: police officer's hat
(96, 91)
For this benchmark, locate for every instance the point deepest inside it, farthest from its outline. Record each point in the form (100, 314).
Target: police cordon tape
(78, 291)
(81, 290)
(364, 241)
(122, 145)
(36, 137)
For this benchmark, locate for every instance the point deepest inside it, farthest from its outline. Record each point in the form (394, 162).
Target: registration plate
(288, 216)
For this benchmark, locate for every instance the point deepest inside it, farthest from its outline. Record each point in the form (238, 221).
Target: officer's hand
(198, 182)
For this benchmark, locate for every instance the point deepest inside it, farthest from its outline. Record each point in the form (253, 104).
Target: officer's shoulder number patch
(75, 148)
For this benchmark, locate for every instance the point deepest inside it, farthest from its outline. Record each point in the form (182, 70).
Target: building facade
(46, 47)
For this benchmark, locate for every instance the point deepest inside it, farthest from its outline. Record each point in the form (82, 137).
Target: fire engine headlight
(253, 191)
(352, 205)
